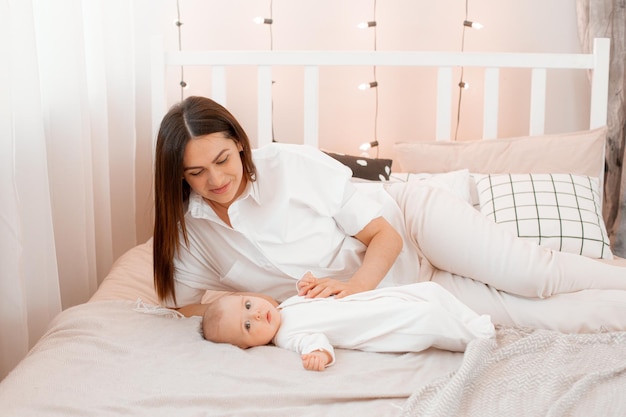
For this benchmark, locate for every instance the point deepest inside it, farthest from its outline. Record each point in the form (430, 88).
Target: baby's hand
(305, 283)
(316, 361)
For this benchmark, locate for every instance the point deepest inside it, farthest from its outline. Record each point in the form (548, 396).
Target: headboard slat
(264, 124)
(537, 102)
(218, 84)
(444, 103)
(490, 103)
(311, 105)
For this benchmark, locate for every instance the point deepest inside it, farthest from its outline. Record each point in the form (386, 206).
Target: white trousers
(453, 236)
(526, 285)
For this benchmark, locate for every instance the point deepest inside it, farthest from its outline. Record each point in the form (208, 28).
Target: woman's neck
(221, 209)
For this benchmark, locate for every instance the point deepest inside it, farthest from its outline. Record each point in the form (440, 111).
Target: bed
(123, 354)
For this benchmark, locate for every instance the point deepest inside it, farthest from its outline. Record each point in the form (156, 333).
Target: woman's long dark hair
(191, 118)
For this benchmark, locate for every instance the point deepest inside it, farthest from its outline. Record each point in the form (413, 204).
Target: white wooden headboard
(311, 61)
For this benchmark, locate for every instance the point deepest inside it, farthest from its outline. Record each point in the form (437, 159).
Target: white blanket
(532, 373)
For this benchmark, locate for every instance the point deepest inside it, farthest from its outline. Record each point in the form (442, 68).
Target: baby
(408, 318)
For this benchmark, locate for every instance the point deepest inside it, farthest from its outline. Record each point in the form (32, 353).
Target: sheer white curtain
(74, 155)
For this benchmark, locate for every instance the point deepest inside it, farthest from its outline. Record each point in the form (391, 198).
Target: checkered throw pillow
(559, 211)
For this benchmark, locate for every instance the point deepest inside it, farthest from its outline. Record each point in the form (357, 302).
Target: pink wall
(406, 111)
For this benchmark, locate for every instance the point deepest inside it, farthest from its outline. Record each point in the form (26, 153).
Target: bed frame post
(600, 82)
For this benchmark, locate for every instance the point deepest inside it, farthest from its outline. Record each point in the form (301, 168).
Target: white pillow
(559, 211)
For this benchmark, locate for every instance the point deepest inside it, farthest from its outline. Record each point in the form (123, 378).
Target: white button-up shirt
(299, 215)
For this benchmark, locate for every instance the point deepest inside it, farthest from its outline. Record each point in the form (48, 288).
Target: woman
(229, 218)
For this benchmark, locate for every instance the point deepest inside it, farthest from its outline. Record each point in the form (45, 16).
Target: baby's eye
(248, 305)
(247, 325)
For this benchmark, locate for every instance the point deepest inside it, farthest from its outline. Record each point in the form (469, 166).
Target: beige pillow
(574, 153)
(130, 277)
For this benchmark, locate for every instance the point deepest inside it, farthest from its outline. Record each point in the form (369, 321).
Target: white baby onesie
(407, 318)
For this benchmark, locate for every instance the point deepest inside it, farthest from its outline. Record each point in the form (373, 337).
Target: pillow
(365, 168)
(130, 277)
(559, 211)
(571, 153)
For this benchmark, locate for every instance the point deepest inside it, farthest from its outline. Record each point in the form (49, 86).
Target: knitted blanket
(531, 373)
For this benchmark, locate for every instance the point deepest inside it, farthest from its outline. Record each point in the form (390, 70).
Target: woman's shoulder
(277, 149)
(294, 154)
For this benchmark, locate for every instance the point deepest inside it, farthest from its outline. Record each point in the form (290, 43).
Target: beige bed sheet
(104, 358)
(108, 357)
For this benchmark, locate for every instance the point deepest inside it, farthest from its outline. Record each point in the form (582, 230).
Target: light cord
(179, 25)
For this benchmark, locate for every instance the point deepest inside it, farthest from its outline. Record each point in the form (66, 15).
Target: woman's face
(212, 167)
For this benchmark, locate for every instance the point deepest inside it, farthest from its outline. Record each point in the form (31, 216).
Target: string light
(262, 21)
(365, 86)
(365, 25)
(269, 21)
(179, 24)
(463, 85)
(373, 84)
(473, 25)
(368, 145)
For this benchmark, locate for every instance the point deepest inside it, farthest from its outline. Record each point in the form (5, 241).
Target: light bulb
(368, 145)
(365, 25)
(464, 85)
(261, 20)
(473, 25)
(365, 86)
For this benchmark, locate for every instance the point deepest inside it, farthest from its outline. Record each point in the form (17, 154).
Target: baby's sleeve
(306, 343)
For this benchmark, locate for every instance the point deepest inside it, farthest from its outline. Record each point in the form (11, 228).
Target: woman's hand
(316, 361)
(305, 283)
(312, 287)
(383, 243)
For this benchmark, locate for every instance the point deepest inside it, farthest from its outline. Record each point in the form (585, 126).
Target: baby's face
(248, 321)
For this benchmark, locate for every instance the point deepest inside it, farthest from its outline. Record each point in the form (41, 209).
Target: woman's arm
(193, 310)
(383, 243)
(210, 296)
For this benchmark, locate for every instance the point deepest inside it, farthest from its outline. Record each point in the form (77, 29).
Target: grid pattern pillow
(559, 211)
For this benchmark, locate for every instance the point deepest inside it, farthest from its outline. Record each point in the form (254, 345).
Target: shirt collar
(199, 208)
(251, 190)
